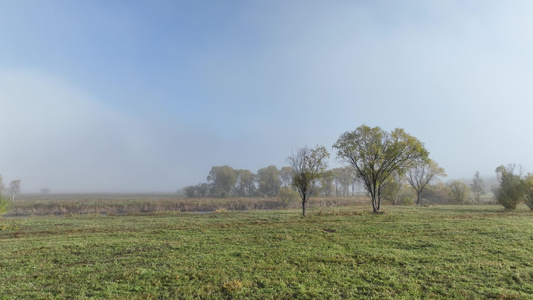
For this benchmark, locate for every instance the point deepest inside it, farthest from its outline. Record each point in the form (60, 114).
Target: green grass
(441, 252)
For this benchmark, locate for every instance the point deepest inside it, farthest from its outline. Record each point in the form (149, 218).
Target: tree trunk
(375, 209)
(417, 198)
(303, 208)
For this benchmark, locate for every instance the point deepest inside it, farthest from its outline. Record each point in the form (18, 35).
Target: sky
(148, 95)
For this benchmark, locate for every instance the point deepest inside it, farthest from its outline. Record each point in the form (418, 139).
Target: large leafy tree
(223, 180)
(376, 155)
(308, 167)
(421, 174)
(269, 181)
(245, 183)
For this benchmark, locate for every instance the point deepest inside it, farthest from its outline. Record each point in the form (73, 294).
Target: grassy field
(440, 252)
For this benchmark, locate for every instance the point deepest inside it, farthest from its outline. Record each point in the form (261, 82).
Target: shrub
(528, 190)
(5, 204)
(459, 192)
(287, 196)
(510, 189)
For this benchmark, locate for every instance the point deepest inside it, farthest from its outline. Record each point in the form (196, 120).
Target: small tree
(45, 190)
(14, 188)
(376, 156)
(308, 166)
(5, 204)
(478, 187)
(510, 189)
(528, 190)
(459, 192)
(421, 174)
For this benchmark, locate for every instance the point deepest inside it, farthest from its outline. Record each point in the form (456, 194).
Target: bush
(510, 190)
(459, 192)
(528, 190)
(287, 196)
(5, 204)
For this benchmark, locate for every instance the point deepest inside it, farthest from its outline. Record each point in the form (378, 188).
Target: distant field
(441, 252)
(60, 204)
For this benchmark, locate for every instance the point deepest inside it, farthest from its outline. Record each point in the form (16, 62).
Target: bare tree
(421, 174)
(308, 167)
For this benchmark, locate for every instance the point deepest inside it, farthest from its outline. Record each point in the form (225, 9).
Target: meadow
(439, 252)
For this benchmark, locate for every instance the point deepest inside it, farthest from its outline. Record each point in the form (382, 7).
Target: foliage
(528, 190)
(286, 176)
(286, 195)
(196, 191)
(223, 180)
(269, 181)
(391, 191)
(5, 204)
(443, 252)
(245, 183)
(377, 155)
(437, 193)
(459, 192)
(326, 183)
(421, 174)
(478, 187)
(510, 189)
(308, 167)
(342, 179)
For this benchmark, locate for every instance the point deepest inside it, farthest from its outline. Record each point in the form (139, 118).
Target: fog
(147, 96)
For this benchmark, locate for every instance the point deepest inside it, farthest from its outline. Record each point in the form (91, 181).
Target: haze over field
(141, 96)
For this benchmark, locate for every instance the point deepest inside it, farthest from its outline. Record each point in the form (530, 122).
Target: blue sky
(141, 96)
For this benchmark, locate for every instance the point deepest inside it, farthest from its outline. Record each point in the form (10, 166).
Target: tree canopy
(308, 167)
(375, 155)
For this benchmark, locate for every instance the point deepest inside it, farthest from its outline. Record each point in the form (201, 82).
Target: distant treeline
(225, 181)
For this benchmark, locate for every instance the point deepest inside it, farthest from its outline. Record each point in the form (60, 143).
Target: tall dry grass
(138, 203)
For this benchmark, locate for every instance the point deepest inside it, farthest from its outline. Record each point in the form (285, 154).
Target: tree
(45, 190)
(245, 183)
(326, 183)
(459, 192)
(421, 174)
(308, 167)
(342, 178)
(391, 191)
(478, 187)
(223, 180)
(286, 176)
(510, 187)
(376, 155)
(528, 190)
(269, 181)
(14, 188)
